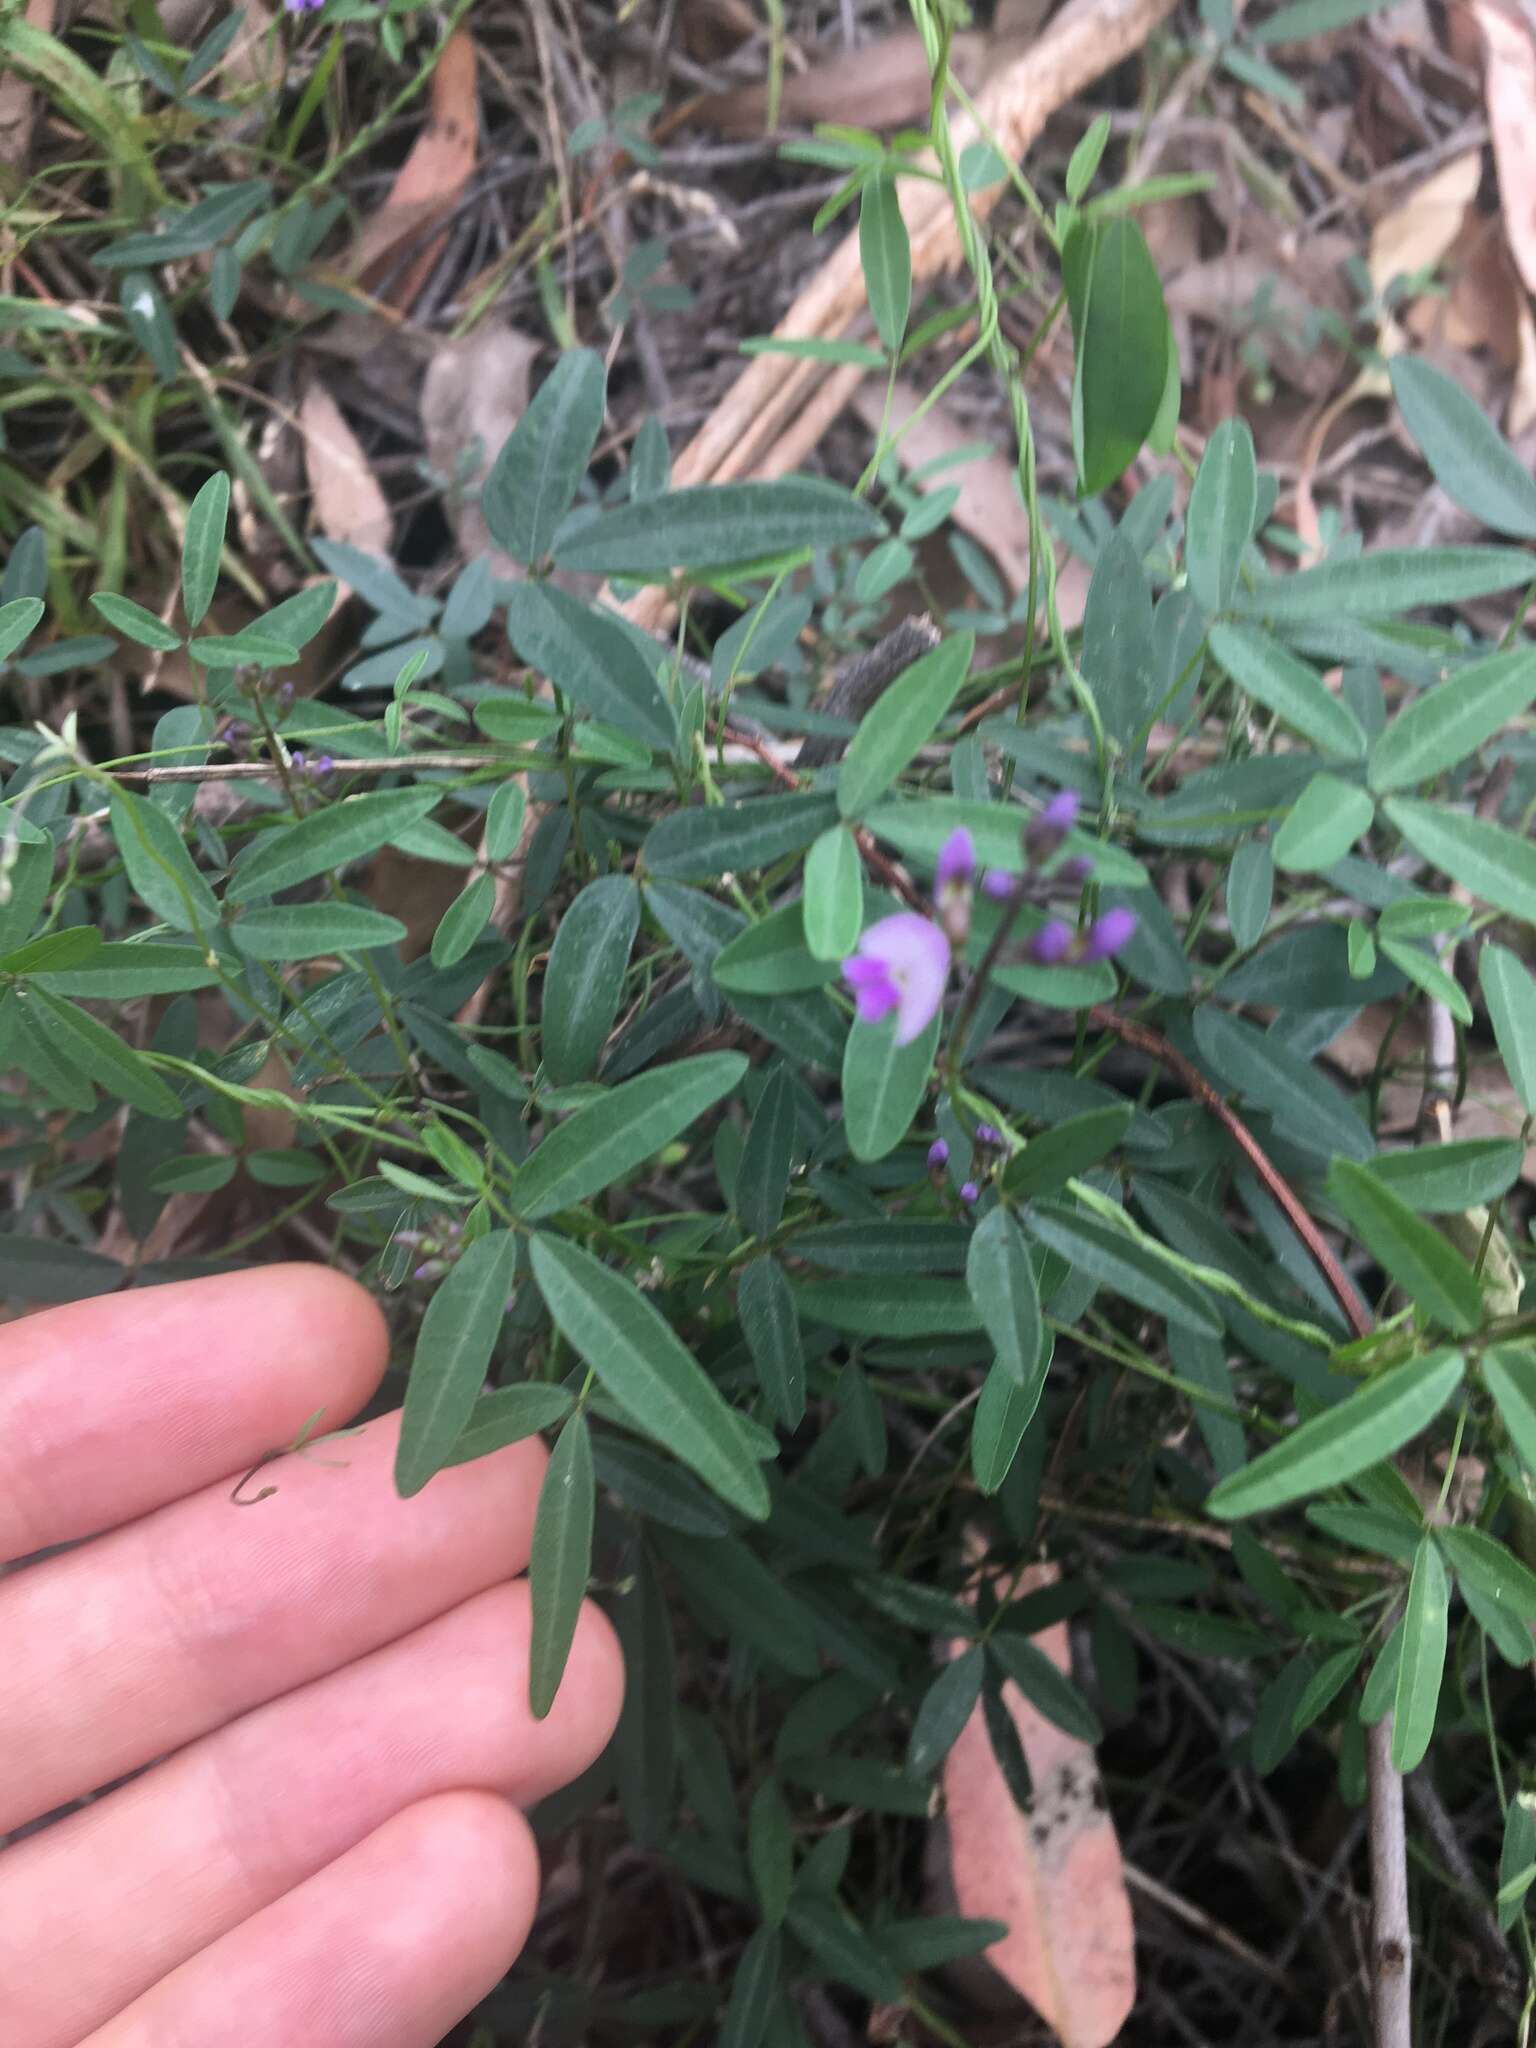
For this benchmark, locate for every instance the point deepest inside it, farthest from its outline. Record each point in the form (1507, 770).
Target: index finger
(112, 1407)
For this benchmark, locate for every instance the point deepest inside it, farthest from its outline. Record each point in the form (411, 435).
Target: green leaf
(106, 1057)
(690, 844)
(504, 816)
(1509, 990)
(1261, 1067)
(1086, 157)
(116, 972)
(842, 1948)
(1117, 638)
(643, 1367)
(1509, 1373)
(303, 931)
(902, 722)
(1345, 1440)
(159, 866)
(453, 1348)
(237, 650)
(1289, 687)
(1425, 1624)
(508, 1416)
(203, 1173)
(833, 904)
(1516, 1858)
(1325, 1685)
(1223, 504)
(1427, 972)
(1382, 584)
(762, 1179)
(325, 840)
(584, 981)
(1323, 824)
(920, 830)
(1495, 1584)
(1250, 892)
(873, 1308)
(1487, 860)
(770, 958)
(1445, 725)
(1120, 333)
(766, 1308)
(1055, 1156)
(946, 1707)
(630, 1124)
(1444, 1180)
(885, 255)
(1117, 1261)
(53, 951)
(709, 526)
(16, 622)
(202, 544)
(757, 1976)
(645, 1744)
(140, 625)
(463, 921)
(299, 618)
(1429, 1269)
(44, 1269)
(1002, 1283)
(1052, 1695)
(884, 1084)
(587, 654)
(539, 468)
(1004, 1411)
(560, 1561)
(771, 1850)
(1468, 457)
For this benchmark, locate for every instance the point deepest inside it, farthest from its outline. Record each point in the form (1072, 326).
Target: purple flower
(1109, 933)
(1047, 829)
(988, 1134)
(903, 965)
(957, 861)
(325, 764)
(969, 1192)
(302, 6)
(1051, 944)
(296, 758)
(1076, 870)
(1000, 885)
(938, 1154)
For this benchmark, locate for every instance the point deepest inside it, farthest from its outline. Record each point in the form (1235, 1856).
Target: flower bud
(1000, 885)
(1048, 828)
(1051, 944)
(1108, 934)
(938, 1154)
(988, 1134)
(969, 1192)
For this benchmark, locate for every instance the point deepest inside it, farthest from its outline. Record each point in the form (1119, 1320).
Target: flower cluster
(903, 962)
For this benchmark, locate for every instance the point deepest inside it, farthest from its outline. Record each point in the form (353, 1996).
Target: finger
(385, 1948)
(110, 1407)
(121, 1651)
(96, 1909)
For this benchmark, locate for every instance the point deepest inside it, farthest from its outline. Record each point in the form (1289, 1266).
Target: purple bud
(1047, 829)
(296, 759)
(938, 1154)
(325, 764)
(509, 1304)
(1000, 885)
(969, 1192)
(285, 694)
(1051, 944)
(988, 1134)
(1109, 933)
(1076, 870)
(957, 862)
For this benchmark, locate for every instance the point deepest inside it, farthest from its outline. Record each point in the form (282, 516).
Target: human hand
(329, 1851)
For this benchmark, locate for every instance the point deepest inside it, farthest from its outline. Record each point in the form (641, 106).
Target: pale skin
(329, 1686)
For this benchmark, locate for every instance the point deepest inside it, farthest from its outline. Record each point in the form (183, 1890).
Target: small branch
(1148, 1041)
(235, 771)
(1391, 1937)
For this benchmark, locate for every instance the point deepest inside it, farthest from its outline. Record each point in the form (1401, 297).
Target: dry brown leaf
(349, 504)
(17, 102)
(1521, 415)
(473, 395)
(1054, 1874)
(883, 85)
(1509, 88)
(1418, 231)
(431, 181)
(1297, 278)
(988, 508)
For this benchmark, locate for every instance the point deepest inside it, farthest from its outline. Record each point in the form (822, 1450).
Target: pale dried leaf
(17, 102)
(349, 504)
(883, 85)
(431, 181)
(1419, 230)
(1054, 1874)
(1509, 88)
(1522, 399)
(474, 393)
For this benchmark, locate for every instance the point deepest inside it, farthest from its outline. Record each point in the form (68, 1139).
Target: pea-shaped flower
(902, 964)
